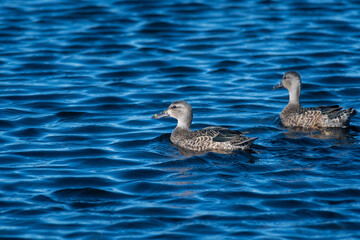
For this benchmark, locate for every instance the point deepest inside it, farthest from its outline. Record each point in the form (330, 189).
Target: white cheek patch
(170, 112)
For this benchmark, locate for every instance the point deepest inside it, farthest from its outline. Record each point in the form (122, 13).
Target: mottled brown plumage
(207, 139)
(293, 115)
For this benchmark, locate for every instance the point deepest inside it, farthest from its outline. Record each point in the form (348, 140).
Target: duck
(216, 139)
(294, 115)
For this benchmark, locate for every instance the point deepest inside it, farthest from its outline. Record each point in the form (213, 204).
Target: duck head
(180, 110)
(292, 82)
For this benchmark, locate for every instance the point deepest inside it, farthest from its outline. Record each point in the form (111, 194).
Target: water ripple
(81, 157)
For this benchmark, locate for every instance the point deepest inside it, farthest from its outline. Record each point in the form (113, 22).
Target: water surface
(81, 158)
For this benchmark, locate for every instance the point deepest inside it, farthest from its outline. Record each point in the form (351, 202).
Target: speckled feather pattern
(211, 139)
(332, 116)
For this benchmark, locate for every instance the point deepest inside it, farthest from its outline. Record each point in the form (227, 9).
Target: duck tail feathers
(247, 142)
(352, 112)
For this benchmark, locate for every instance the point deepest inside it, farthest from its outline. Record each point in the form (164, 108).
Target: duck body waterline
(208, 139)
(294, 115)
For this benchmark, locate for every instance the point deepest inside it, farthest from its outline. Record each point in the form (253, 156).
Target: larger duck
(215, 139)
(293, 115)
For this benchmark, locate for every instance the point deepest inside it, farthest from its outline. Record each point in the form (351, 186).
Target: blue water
(81, 157)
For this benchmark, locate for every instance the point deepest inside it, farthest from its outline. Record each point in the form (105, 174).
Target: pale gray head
(292, 82)
(179, 110)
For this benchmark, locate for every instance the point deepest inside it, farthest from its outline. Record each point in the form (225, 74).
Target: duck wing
(338, 112)
(330, 110)
(333, 111)
(320, 110)
(216, 138)
(217, 134)
(226, 135)
(220, 134)
(236, 138)
(327, 116)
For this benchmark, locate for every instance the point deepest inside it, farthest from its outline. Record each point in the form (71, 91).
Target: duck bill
(161, 115)
(278, 86)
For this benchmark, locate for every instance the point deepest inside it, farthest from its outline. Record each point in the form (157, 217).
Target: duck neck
(294, 96)
(184, 124)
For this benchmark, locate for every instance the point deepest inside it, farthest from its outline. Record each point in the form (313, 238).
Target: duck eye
(173, 107)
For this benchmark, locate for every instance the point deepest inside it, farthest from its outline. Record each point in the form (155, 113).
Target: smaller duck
(215, 139)
(293, 115)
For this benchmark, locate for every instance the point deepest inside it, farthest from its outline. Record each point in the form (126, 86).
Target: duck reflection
(340, 134)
